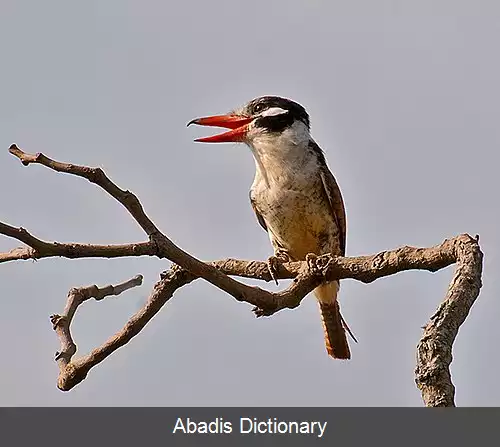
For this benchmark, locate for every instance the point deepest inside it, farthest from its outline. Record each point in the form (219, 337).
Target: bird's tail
(333, 323)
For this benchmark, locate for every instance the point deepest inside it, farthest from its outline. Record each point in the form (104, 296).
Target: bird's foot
(260, 312)
(318, 264)
(273, 263)
(312, 263)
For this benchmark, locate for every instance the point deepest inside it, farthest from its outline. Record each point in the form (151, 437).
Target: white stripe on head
(274, 111)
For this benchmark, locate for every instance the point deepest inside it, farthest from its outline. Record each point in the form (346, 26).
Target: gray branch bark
(432, 374)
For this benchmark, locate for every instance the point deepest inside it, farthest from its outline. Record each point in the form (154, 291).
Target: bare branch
(165, 247)
(433, 351)
(62, 323)
(40, 249)
(75, 371)
(329, 268)
(96, 176)
(432, 372)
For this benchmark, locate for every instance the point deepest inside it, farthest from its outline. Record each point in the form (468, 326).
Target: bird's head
(263, 118)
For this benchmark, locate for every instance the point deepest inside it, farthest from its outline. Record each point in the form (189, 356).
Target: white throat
(279, 155)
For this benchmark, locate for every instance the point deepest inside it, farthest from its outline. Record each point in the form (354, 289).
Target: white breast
(289, 194)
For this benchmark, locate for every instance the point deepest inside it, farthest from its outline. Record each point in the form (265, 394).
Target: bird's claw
(318, 265)
(272, 266)
(312, 263)
(260, 312)
(273, 263)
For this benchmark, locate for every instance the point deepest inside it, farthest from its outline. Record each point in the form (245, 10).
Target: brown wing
(333, 194)
(337, 204)
(256, 211)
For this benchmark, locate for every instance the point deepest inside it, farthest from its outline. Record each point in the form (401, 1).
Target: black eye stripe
(275, 123)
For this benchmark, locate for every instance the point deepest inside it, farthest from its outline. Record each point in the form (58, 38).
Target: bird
(294, 195)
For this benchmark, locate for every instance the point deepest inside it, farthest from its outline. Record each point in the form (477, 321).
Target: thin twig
(39, 249)
(96, 176)
(62, 323)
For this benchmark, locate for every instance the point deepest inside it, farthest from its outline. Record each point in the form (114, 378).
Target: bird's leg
(273, 262)
(281, 256)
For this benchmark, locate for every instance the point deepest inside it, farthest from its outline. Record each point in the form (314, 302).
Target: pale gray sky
(403, 98)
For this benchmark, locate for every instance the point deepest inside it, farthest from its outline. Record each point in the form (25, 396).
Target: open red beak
(237, 123)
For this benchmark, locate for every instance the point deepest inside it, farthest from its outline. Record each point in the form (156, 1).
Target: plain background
(403, 98)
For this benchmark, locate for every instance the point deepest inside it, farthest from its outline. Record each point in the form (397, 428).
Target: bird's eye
(258, 108)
